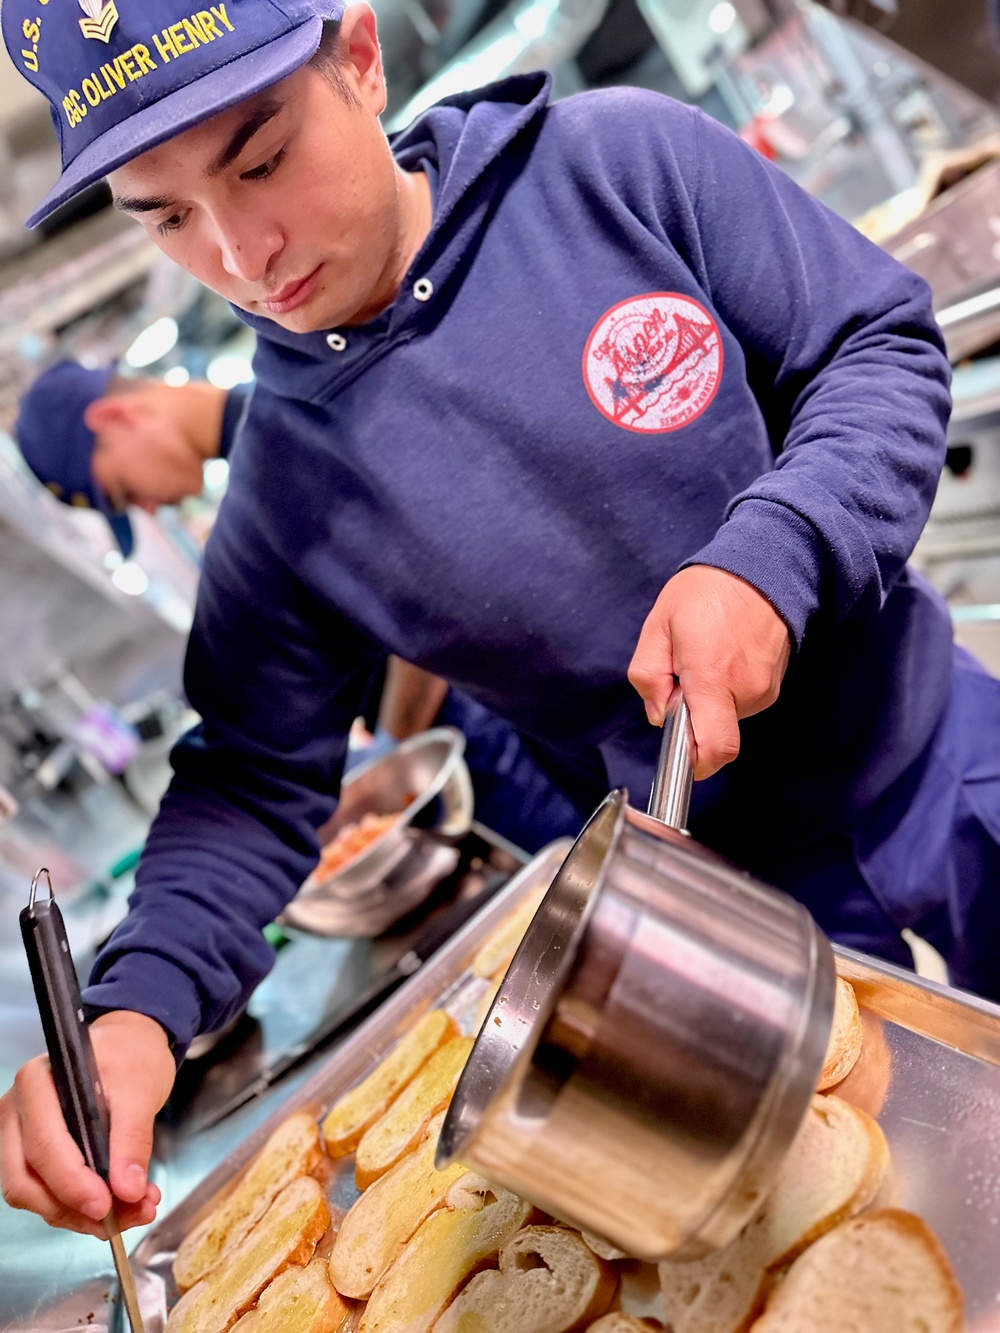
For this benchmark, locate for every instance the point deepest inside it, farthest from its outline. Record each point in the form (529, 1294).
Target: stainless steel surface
(670, 798)
(126, 1283)
(425, 778)
(653, 1048)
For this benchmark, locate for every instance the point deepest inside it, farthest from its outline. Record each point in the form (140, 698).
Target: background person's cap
(122, 76)
(58, 444)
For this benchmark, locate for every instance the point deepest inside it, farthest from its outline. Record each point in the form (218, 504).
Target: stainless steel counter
(52, 1280)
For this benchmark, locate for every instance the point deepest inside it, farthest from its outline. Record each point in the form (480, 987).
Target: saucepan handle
(670, 798)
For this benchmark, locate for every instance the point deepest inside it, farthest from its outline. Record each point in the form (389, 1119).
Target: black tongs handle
(71, 1055)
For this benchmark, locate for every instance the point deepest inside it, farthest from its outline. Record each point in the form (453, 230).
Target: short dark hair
(329, 60)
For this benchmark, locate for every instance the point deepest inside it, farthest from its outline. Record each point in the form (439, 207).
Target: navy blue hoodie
(628, 344)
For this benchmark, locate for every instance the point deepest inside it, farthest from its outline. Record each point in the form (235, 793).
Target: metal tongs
(71, 1056)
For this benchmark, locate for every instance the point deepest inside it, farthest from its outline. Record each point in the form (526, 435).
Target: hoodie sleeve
(847, 363)
(277, 677)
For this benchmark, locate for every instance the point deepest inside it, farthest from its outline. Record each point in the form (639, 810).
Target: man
(101, 441)
(541, 392)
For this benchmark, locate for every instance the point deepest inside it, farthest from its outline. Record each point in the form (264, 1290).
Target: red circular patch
(654, 362)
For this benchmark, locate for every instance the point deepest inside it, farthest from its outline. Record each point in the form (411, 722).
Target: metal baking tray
(929, 1072)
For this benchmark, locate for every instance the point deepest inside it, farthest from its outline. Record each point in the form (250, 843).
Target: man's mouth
(291, 295)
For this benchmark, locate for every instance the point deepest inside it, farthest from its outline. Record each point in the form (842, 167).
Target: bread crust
(846, 1038)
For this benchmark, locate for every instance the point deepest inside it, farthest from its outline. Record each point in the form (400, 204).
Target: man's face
(142, 455)
(287, 204)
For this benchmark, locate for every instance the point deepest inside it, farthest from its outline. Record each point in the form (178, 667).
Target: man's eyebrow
(244, 132)
(135, 204)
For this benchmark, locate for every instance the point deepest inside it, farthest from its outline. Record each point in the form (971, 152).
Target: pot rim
(521, 1009)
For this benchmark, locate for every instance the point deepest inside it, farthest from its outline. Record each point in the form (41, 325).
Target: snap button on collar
(336, 342)
(423, 289)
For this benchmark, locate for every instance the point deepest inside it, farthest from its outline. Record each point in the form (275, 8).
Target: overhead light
(225, 372)
(153, 343)
(176, 376)
(130, 578)
(722, 17)
(114, 560)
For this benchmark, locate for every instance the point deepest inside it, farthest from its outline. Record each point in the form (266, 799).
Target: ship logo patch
(653, 363)
(102, 15)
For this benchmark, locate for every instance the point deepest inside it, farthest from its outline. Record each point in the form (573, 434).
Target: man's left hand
(728, 647)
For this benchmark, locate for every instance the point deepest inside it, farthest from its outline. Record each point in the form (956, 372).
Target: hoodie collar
(468, 138)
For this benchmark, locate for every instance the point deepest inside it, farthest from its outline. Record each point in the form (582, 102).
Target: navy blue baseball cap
(122, 76)
(58, 445)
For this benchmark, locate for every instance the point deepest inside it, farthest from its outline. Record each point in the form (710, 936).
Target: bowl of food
(390, 840)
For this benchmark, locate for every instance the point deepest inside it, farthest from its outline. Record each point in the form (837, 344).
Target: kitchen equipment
(654, 1045)
(71, 1056)
(426, 780)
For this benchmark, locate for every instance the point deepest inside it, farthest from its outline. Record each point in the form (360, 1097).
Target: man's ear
(105, 413)
(359, 42)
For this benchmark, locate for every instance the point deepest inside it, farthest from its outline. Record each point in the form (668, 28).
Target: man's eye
(169, 224)
(265, 169)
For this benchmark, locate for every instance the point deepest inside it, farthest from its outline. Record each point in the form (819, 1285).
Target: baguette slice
(617, 1322)
(549, 1281)
(449, 1247)
(846, 1037)
(379, 1224)
(300, 1300)
(494, 957)
(287, 1234)
(601, 1247)
(405, 1123)
(833, 1170)
(292, 1150)
(347, 1120)
(882, 1271)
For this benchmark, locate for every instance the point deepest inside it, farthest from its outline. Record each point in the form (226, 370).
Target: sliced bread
(292, 1150)
(493, 958)
(357, 1110)
(299, 1300)
(846, 1037)
(287, 1234)
(379, 1224)
(879, 1272)
(618, 1322)
(405, 1123)
(833, 1170)
(453, 1243)
(548, 1281)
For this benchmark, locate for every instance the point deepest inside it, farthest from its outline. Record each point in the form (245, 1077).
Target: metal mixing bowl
(425, 778)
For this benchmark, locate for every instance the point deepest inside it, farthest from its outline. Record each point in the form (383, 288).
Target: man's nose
(247, 246)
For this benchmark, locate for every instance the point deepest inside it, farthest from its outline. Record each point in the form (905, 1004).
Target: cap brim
(178, 111)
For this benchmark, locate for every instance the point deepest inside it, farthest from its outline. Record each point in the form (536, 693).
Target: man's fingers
(651, 670)
(715, 724)
(23, 1188)
(49, 1150)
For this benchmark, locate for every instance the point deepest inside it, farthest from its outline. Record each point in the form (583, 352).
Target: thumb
(651, 671)
(132, 1113)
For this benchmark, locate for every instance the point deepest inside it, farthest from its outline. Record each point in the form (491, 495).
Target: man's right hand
(42, 1169)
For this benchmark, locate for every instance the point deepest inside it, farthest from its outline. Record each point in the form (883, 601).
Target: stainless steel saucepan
(653, 1048)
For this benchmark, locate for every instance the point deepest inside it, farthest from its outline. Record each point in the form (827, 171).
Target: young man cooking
(549, 398)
